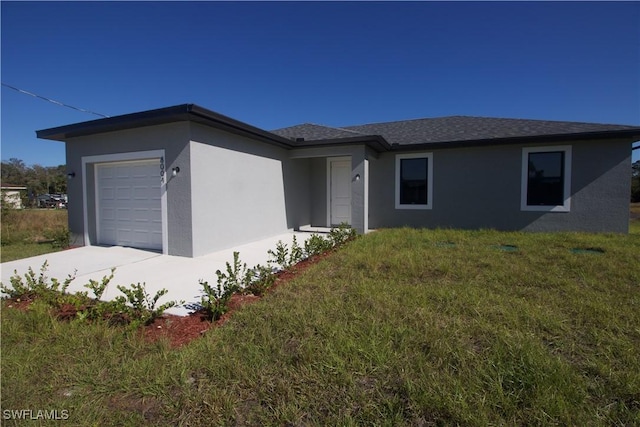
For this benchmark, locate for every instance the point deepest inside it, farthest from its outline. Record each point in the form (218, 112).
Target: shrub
(296, 254)
(261, 279)
(316, 244)
(235, 275)
(143, 305)
(341, 234)
(284, 257)
(98, 288)
(61, 237)
(280, 256)
(36, 286)
(215, 301)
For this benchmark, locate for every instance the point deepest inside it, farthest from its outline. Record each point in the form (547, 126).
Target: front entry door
(339, 191)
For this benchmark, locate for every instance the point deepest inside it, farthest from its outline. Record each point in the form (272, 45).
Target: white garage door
(129, 204)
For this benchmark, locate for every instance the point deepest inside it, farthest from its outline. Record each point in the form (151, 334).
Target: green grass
(23, 229)
(400, 327)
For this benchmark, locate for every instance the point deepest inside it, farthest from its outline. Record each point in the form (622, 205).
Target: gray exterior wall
(230, 189)
(318, 181)
(233, 189)
(481, 188)
(297, 181)
(238, 190)
(173, 139)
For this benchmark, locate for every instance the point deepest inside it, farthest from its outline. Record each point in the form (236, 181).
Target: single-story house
(12, 195)
(188, 181)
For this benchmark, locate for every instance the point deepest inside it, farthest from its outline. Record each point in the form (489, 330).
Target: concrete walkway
(179, 275)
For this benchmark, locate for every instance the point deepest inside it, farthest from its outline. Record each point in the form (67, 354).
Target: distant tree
(635, 182)
(13, 172)
(38, 179)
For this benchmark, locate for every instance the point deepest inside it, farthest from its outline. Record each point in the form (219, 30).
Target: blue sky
(278, 64)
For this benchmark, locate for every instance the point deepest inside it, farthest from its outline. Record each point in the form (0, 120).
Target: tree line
(38, 179)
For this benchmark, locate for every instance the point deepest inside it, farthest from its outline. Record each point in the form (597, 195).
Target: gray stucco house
(189, 181)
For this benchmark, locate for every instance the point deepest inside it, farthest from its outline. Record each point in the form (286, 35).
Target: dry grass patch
(31, 232)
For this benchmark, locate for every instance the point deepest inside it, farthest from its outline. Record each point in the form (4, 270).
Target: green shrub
(280, 256)
(36, 286)
(215, 301)
(341, 234)
(98, 288)
(316, 245)
(143, 305)
(235, 274)
(261, 279)
(61, 237)
(296, 254)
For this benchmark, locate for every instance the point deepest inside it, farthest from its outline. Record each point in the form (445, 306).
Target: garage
(128, 204)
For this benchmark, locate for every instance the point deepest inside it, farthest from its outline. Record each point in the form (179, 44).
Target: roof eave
(207, 117)
(376, 142)
(630, 134)
(127, 121)
(178, 113)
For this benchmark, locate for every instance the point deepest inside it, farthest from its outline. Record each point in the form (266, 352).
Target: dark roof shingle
(310, 131)
(456, 129)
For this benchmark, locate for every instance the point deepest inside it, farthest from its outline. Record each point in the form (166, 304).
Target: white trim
(429, 157)
(123, 157)
(566, 206)
(329, 160)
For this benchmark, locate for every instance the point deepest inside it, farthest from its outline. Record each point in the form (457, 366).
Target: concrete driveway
(179, 275)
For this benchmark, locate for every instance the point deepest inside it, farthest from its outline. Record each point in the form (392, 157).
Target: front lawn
(31, 232)
(399, 327)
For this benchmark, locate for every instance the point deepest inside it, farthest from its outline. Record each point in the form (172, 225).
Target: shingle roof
(312, 131)
(457, 129)
(443, 131)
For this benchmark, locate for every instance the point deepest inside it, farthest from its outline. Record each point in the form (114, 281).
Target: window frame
(399, 158)
(566, 186)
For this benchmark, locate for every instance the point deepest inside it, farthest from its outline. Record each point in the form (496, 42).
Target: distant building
(12, 196)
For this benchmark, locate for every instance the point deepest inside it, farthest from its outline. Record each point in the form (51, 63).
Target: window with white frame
(414, 181)
(546, 179)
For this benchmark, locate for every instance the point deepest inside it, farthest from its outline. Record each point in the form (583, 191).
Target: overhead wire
(53, 100)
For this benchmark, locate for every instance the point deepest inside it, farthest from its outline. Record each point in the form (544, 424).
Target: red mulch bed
(180, 330)
(19, 303)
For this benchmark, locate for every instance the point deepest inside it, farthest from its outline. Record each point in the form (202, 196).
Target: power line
(53, 101)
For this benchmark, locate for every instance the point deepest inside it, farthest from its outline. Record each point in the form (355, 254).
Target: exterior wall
(297, 183)
(232, 189)
(480, 188)
(173, 139)
(318, 157)
(238, 191)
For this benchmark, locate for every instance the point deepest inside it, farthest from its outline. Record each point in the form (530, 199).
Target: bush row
(135, 306)
(256, 280)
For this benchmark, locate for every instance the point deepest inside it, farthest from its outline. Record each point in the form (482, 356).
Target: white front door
(128, 204)
(339, 187)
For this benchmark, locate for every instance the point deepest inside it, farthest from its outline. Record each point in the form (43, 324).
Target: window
(414, 181)
(546, 176)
